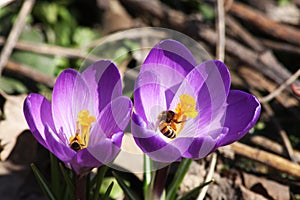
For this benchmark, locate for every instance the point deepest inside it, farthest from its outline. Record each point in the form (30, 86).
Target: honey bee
(167, 121)
(75, 145)
(75, 142)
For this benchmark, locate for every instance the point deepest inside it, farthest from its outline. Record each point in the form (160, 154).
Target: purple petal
(149, 101)
(59, 149)
(37, 111)
(160, 74)
(205, 143)
(84, 161)
(172, 54)
(157, 148)
(213, 77)
(105, 151)
(242, 112)
(155, 145)
(210, 81)
(70, 96)
(113, 119)
(200, 148)
(211, 72)
(104, 82)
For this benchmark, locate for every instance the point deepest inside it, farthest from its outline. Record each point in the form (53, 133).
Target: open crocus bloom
(84, 124)
(186, 110)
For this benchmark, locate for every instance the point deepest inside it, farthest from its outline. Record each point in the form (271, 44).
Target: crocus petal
(242, 112)
(155, 147)
(37, 111)
(113, 119)
(59, 149)
(205, 143)
(104, 82)
(83, 161)
(105, 150)
(150, 101)
(169, 53)
(214, 77)
(70, 96)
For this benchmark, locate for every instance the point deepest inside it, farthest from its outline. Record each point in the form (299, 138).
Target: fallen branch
(264, 24)
(51, 50)
(281, 87)
(281, 46)
(266, 158)
(265, 62)
(30, 73)
(272, 146)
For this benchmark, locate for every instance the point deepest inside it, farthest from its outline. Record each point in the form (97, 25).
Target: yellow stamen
(83, 126)
(187, 106)
(184, 110)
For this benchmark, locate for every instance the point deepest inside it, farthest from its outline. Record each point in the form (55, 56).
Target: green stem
(80, 184)
(159, 182)
(148, 174)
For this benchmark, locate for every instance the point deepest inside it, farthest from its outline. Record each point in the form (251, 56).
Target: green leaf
(180, 173)
(192, 194)
(42, 63)
(46, 12)
(116, 192)
(108, 191)
(68, 180)
(128, 192)
(55, 175)
(42, 183)
(207, 11)
(10, 85)
(32, 35)
(83, 36)
(63, 33)
(98, 180)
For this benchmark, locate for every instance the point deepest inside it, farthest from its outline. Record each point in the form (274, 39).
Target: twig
(276, 92)
(15, 32)
(260, 21)
(221, 30)
(282, 133)
(270, 145)
(52, 50)
(266, 158)
(30, 73)
(257, 81)
(265, 62)
(280, 46)
(240, 32)
(220, 55)
(209, 176)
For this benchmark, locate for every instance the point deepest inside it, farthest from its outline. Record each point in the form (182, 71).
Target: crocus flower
(187, 110)
(84, 124)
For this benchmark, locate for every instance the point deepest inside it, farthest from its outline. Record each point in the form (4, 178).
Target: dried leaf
(247, 194)
(267, 188)
(13, 124)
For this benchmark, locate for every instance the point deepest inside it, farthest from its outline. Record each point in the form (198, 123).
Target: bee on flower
(84, 123)
(187, 110)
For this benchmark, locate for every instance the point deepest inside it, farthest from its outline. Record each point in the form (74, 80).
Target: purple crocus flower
(84, 124)
(187, 110)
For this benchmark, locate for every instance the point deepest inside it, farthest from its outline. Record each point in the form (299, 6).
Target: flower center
(170, 123)
(83, 127)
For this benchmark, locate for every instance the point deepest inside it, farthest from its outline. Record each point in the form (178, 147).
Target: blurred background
(258, 40)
